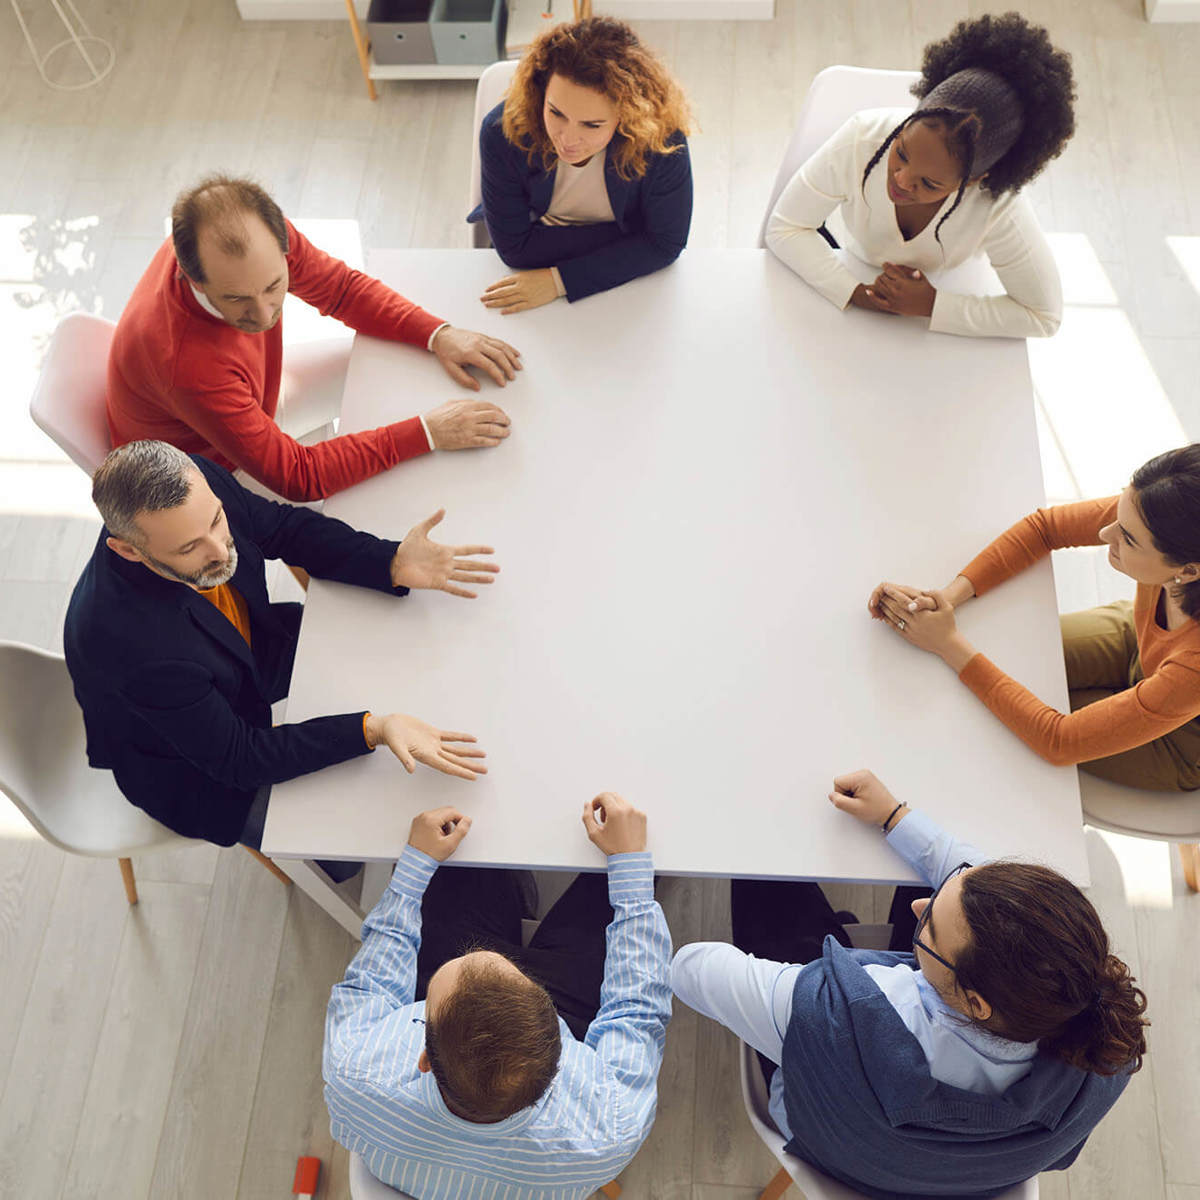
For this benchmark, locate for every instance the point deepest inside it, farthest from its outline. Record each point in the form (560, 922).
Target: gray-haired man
(177, 654)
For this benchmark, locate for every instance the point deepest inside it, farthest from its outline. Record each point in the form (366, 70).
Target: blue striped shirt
(577, 1137)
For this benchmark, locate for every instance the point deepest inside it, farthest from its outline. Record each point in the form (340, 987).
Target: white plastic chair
(493, 83)
(1160, 816)
(364, 1185)
(836, 94)
(814, 1184)
(68, 402)
(44, 769)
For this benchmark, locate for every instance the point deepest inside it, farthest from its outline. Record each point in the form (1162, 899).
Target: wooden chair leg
(301, 575)
(363, 48)
(128, 880)
(612, 1190)
(1190, 853)
(777, 1186)
(266, 862)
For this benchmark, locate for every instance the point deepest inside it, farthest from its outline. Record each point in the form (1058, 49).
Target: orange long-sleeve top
(1167, 697)
(178, 374)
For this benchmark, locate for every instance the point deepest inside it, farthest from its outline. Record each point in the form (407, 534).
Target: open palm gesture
(421, 563)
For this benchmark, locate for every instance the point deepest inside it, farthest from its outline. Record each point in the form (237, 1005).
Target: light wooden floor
(173, 1050)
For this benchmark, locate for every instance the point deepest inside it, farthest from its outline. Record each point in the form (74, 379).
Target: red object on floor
(308, 1174)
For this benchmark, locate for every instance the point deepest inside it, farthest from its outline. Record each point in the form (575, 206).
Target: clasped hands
(925, 618)
(613, 825)
(901, 291)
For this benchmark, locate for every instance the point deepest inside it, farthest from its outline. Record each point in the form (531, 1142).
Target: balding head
(230, 241)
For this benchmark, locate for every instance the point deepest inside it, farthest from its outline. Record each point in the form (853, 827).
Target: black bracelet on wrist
(894, 811)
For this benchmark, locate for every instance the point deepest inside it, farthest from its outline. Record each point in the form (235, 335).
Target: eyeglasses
(923, 920)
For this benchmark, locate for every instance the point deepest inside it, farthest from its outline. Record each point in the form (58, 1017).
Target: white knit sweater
(828, 188)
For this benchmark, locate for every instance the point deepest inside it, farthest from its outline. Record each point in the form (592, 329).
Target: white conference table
(708, 471)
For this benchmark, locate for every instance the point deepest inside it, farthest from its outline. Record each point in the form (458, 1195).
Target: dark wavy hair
(1167, 494)
(1041, 958)
(603, 54)
(1039, 74)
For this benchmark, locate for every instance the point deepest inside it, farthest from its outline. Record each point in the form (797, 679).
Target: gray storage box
(467, 31)
(399, 31)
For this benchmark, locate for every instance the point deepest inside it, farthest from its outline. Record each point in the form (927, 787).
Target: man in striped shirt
(481, 1090)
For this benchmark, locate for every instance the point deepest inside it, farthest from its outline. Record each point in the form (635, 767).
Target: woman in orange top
(1133, 670)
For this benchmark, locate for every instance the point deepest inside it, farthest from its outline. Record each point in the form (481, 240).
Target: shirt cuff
(912, 836)
(366, 739)
(558, 283)
(429, 345)
(414, 870)
(630, 877)
(428, 435)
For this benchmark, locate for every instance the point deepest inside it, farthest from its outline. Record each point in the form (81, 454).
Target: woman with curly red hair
(586, 178)
(995, 106)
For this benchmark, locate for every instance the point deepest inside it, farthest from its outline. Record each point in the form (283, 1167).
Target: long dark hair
(961, 131)
(1040, 957)
(1167, 495)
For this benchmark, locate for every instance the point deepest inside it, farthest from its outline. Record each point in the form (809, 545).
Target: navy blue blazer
(176, 704)
(653, 215)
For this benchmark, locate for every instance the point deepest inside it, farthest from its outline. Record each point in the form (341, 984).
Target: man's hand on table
(464, 424)
(862, 796)
(457, 349)
(420, 563)
(525, 289)
(613, 825)
(438, 832)
(414, 741)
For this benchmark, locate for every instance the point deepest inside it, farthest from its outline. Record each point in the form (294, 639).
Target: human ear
(423, 1063)
(127, 550)
(979, 1008)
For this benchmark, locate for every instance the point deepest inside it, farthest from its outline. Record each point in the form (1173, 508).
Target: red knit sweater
(181, 375)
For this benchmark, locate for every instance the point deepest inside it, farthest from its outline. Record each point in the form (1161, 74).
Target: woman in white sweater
(921, 191)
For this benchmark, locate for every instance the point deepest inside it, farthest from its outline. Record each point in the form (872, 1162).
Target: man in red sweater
(197, 355)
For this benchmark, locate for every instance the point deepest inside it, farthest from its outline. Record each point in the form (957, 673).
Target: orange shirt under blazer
(1167, 697)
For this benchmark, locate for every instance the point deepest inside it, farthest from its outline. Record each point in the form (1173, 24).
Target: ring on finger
(901, 624)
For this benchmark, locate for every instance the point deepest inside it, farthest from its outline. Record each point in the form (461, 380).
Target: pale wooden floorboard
(64, 1011)
(119, 1127)
(289, 1119)
(217, 1068)
(196, 89)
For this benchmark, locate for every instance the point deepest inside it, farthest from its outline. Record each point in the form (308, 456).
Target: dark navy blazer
(176, 704)
(653, 215)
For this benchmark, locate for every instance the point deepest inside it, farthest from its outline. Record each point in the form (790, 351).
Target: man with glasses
(888, 1070)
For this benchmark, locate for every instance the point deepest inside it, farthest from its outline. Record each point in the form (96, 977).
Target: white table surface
(709, 469)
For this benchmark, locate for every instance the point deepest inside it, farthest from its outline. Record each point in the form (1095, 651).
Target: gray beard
(202, 579)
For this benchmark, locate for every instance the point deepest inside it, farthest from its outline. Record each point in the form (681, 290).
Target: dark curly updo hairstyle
(1039, 80)
(1167, 494)
(1040, 957)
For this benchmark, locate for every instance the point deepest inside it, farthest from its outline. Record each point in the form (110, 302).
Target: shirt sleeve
(820, 186)
(629, 1031)
(355, 299)
(1150, 709)
(930, 850)
(1021, 257)
(382, 976)
(1034, 536)
(229, 416)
